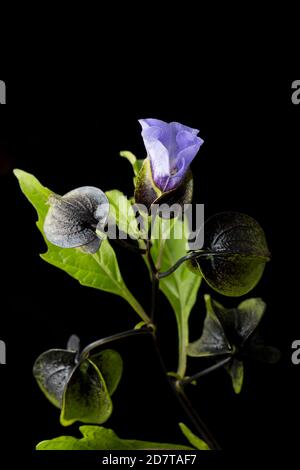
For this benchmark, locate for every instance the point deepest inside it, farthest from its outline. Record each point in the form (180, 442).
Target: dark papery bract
(77, 219)
(81, 386)
(233, 332)
(234, 254)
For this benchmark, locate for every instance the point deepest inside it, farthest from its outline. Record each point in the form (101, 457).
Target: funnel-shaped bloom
(171, 147)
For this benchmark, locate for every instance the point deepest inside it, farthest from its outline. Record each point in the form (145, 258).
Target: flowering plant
(79, 228)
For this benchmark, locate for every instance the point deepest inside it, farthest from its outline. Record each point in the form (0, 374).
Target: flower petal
(188, 154)
(181, 127)
(158, 155)
(145, 123)
(171, 147)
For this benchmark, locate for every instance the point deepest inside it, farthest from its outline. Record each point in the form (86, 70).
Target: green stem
(109, 339)
(183, 341)
(210, 369)
(193, 254)
(154, 280)
(199, 425)
(205, 254)
(129, 246)
(138, 308)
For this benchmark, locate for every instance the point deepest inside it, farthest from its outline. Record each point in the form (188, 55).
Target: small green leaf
(99, 270)
(139, 325)
(193, 439)
(100, 438)
(182, 286)
(236, 371)
(239, 253)
(136, 164)
(122, 211)
(110, 363)
(86, 397)
(213, 340)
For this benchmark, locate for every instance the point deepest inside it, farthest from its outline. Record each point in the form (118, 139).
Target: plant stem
(154, 280)
(185, 404)
(154, 298)
(205, 254)
(183, 342)
(193, 416)
(216, 366)
(109, 339)
(138, 308)
(191, 255)
(199, 425)
(129, 246)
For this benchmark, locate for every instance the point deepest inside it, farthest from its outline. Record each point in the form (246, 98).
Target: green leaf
(192, 438)
(239, 253)
(213, 341)
(182, 286)
(110, 363)
(236, 371)
(122, 211)
(136, 164)
(37, 194)
(100, 270)
(86, 397)
(100, 438)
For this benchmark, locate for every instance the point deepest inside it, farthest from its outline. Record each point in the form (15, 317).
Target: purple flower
(171, 147)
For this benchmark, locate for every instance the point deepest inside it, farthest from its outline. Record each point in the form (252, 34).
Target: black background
(68, 134)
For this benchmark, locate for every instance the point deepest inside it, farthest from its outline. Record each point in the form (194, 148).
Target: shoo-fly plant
(78, 227)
